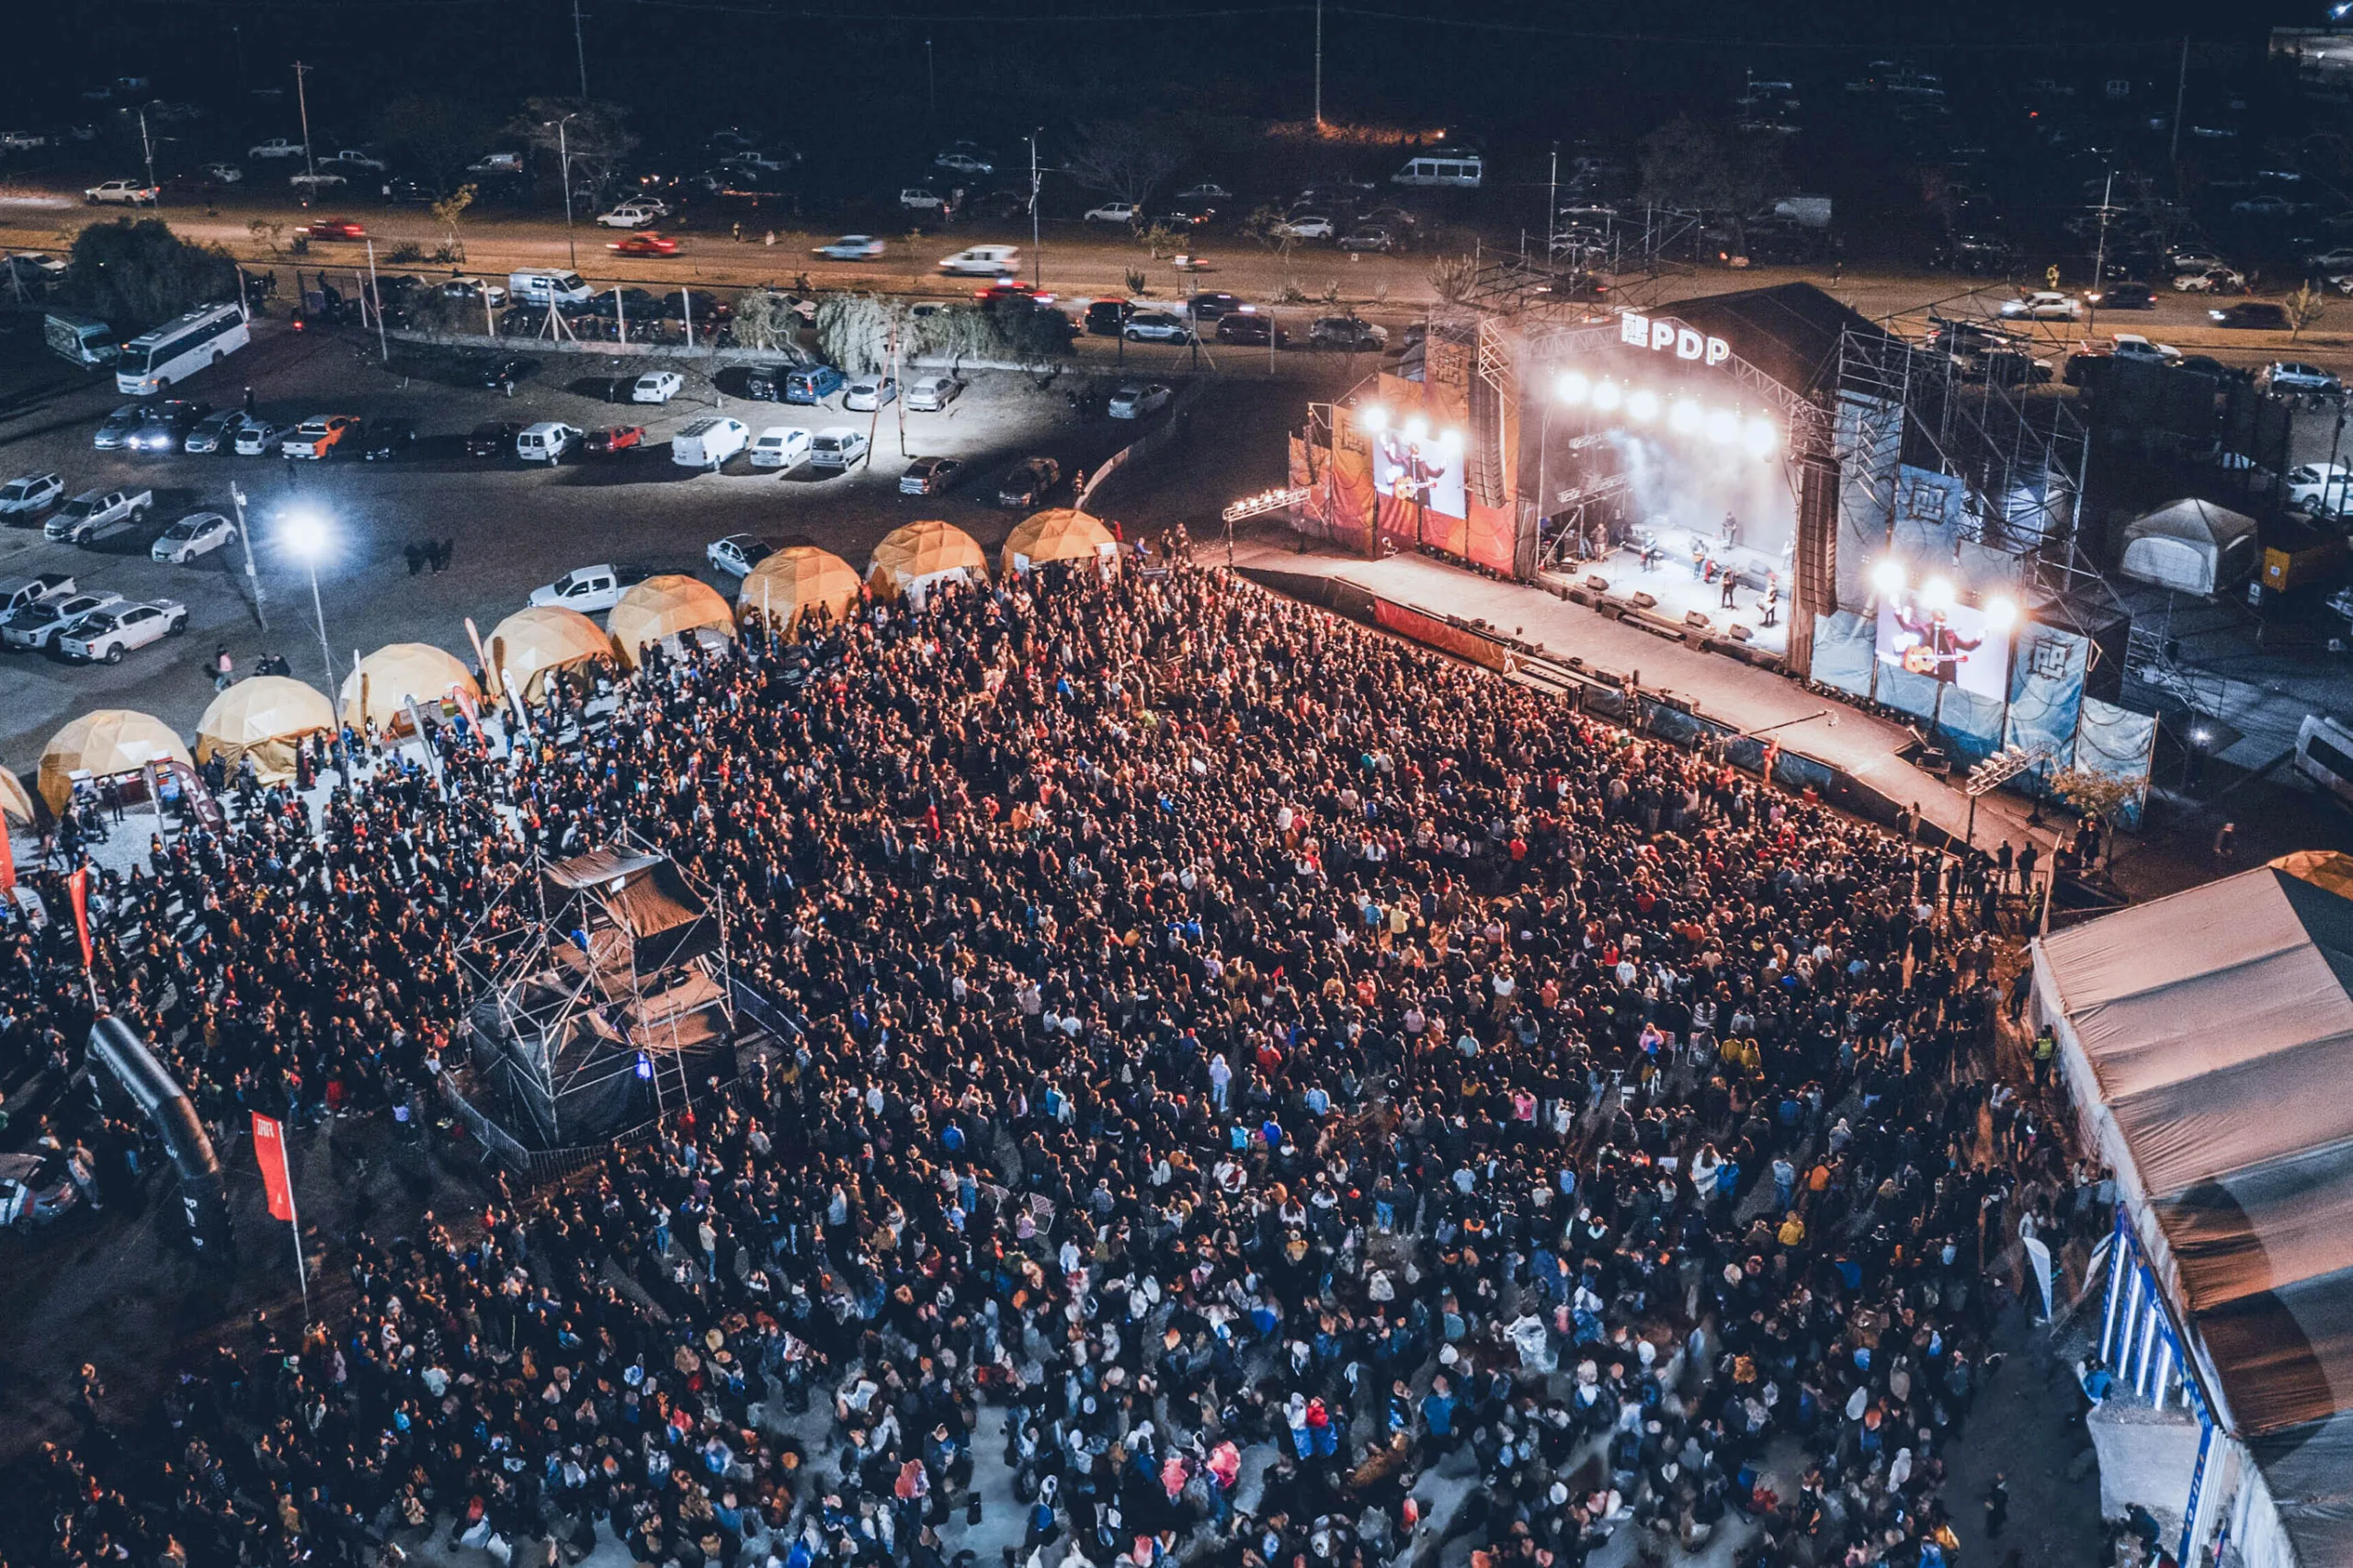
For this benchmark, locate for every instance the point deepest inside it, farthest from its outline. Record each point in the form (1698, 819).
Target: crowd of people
(1238, 1072)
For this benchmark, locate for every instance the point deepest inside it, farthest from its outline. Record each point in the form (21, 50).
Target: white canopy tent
(2207, 1042)
(2190, 546)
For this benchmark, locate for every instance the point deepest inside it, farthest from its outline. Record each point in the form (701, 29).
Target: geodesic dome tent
(105, 745)
(534, 644)
(671, 605)
(1063, 533)
(15, 800)
(788, 585)
(399, 673)
(263, 718)
(911, 559)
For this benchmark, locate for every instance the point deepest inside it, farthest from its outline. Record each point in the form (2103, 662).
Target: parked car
(2251, 315)
(638, 212)
(105, 635)
(29, 495)
(1306, 226)
(1104, 318)
(2214, 280)
(836, 447)
(408, 193)
(1028, 482)
(166, 424)
(1207, 191)
(259, 438)
(2132, 345)
(615, 438)
(1350, 333)
(923, 199)
(1120, 212)
(929, 476)
(2320, 488)
(737, 553)
(474, 289)
(657, 386)
(929, 394)
(2124, 295)
(1138, 402)
(1157, 327)
(214, 431)
(492, 438)
(31, 628)
(591, 590)
(868, 394)
(546, 441)
(708, 442)
(275, 147)
(852, 247)
(2289, 376)
(1371, 237)
(1248, 325)
(124, 192)
(351, 158)
(810, 384)
(781, 446)
(200, 533)
(93, 514)
(317, 438)
(965, 159)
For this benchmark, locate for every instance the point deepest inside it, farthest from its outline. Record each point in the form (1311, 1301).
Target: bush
(1290, 293)
(135, 272)
(405, 253)
(765, 320)
(853, 331)
(1137, 282)
(1009, 332)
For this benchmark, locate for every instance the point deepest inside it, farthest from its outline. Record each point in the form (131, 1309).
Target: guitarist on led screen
(1940, 651)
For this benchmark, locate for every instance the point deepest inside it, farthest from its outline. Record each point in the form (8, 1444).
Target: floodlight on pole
(1417, 428)
(1574, 387)
(305, 532)
(1724, 425)
(1761, 436)
(1643, 405)
(1937, 593)
(2001, 612)
(1607, 395)
(1372, 417)
(1887, 577)
(1684, 416)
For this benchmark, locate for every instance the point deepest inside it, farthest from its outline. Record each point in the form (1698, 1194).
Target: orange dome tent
(1059, 534)
(787, 586)
(668, 606)
(401, 672)
(266, 719)
(911, 559)
(533, 644)
(105, 745)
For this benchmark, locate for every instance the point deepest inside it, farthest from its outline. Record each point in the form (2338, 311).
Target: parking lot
(512, 525)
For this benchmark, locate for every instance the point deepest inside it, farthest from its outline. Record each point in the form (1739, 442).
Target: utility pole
(580, 49)
(564, 158)
(146, 148)
(930, 83)
(303, 103)
(246, 538)
(376, 300)
(1551, 204)
(1319, 66)
(1037, 260)
(2099, 254)
(2180, 93)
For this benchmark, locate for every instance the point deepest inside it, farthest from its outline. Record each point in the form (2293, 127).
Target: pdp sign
(1661, 334)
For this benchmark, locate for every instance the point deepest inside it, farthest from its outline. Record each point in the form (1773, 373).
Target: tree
(2304, 308)
(1271, 229)
(447, 213)
(2106, 798)
(434, 134)
(766, 319)
(1699, 168)
(1451, 277)
(595, 135)
(854, 332)
(136, 272)
(1126, 159)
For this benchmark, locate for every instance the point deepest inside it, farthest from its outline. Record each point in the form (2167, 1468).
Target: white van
(929, 394)
(708, 442)
(547, 285)
(1465, 171)
(781, 446)
(836, 447)
(2325, 755)
(545, 442)
(983, 261)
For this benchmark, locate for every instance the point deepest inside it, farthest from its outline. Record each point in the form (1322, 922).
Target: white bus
(152, 362)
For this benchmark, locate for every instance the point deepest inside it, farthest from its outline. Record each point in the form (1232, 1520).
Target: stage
(1856, 744)
(1670, 580)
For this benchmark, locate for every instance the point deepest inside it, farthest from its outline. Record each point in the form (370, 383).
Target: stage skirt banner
(1842, 651)
(2046, 698)
(1907, 691)
(1969, 724)
(1440, 635)
(2122, 744)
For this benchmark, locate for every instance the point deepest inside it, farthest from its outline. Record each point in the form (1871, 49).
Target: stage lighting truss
(1758, 435)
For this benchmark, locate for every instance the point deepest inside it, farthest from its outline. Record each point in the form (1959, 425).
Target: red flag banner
(7, 861)
(79, 883)
(270, 1150)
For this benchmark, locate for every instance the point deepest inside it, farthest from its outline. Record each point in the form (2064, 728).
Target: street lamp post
(1037, 259)
(564, 160)
(305, 533)
(302, 104)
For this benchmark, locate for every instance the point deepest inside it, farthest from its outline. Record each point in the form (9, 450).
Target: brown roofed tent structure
(1063, 533)
(401, 672)
(671, 605)
(266, 719)
(534, 644)
(788, 585)
(911, 559)
(15, 800)
(105, 745)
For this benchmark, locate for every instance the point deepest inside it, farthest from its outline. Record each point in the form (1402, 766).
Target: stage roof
(1790, 331)
(2214, 1030)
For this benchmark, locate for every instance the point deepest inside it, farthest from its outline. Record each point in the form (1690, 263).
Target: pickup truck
(107, 634)
(16, 593)
(591, 589)
(31, 496)
(93, 514)
(39, 625)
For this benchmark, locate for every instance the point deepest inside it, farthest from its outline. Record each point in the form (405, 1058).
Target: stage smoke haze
(1691, 483)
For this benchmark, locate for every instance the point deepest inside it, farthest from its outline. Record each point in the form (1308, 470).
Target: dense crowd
(1237, 1067)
